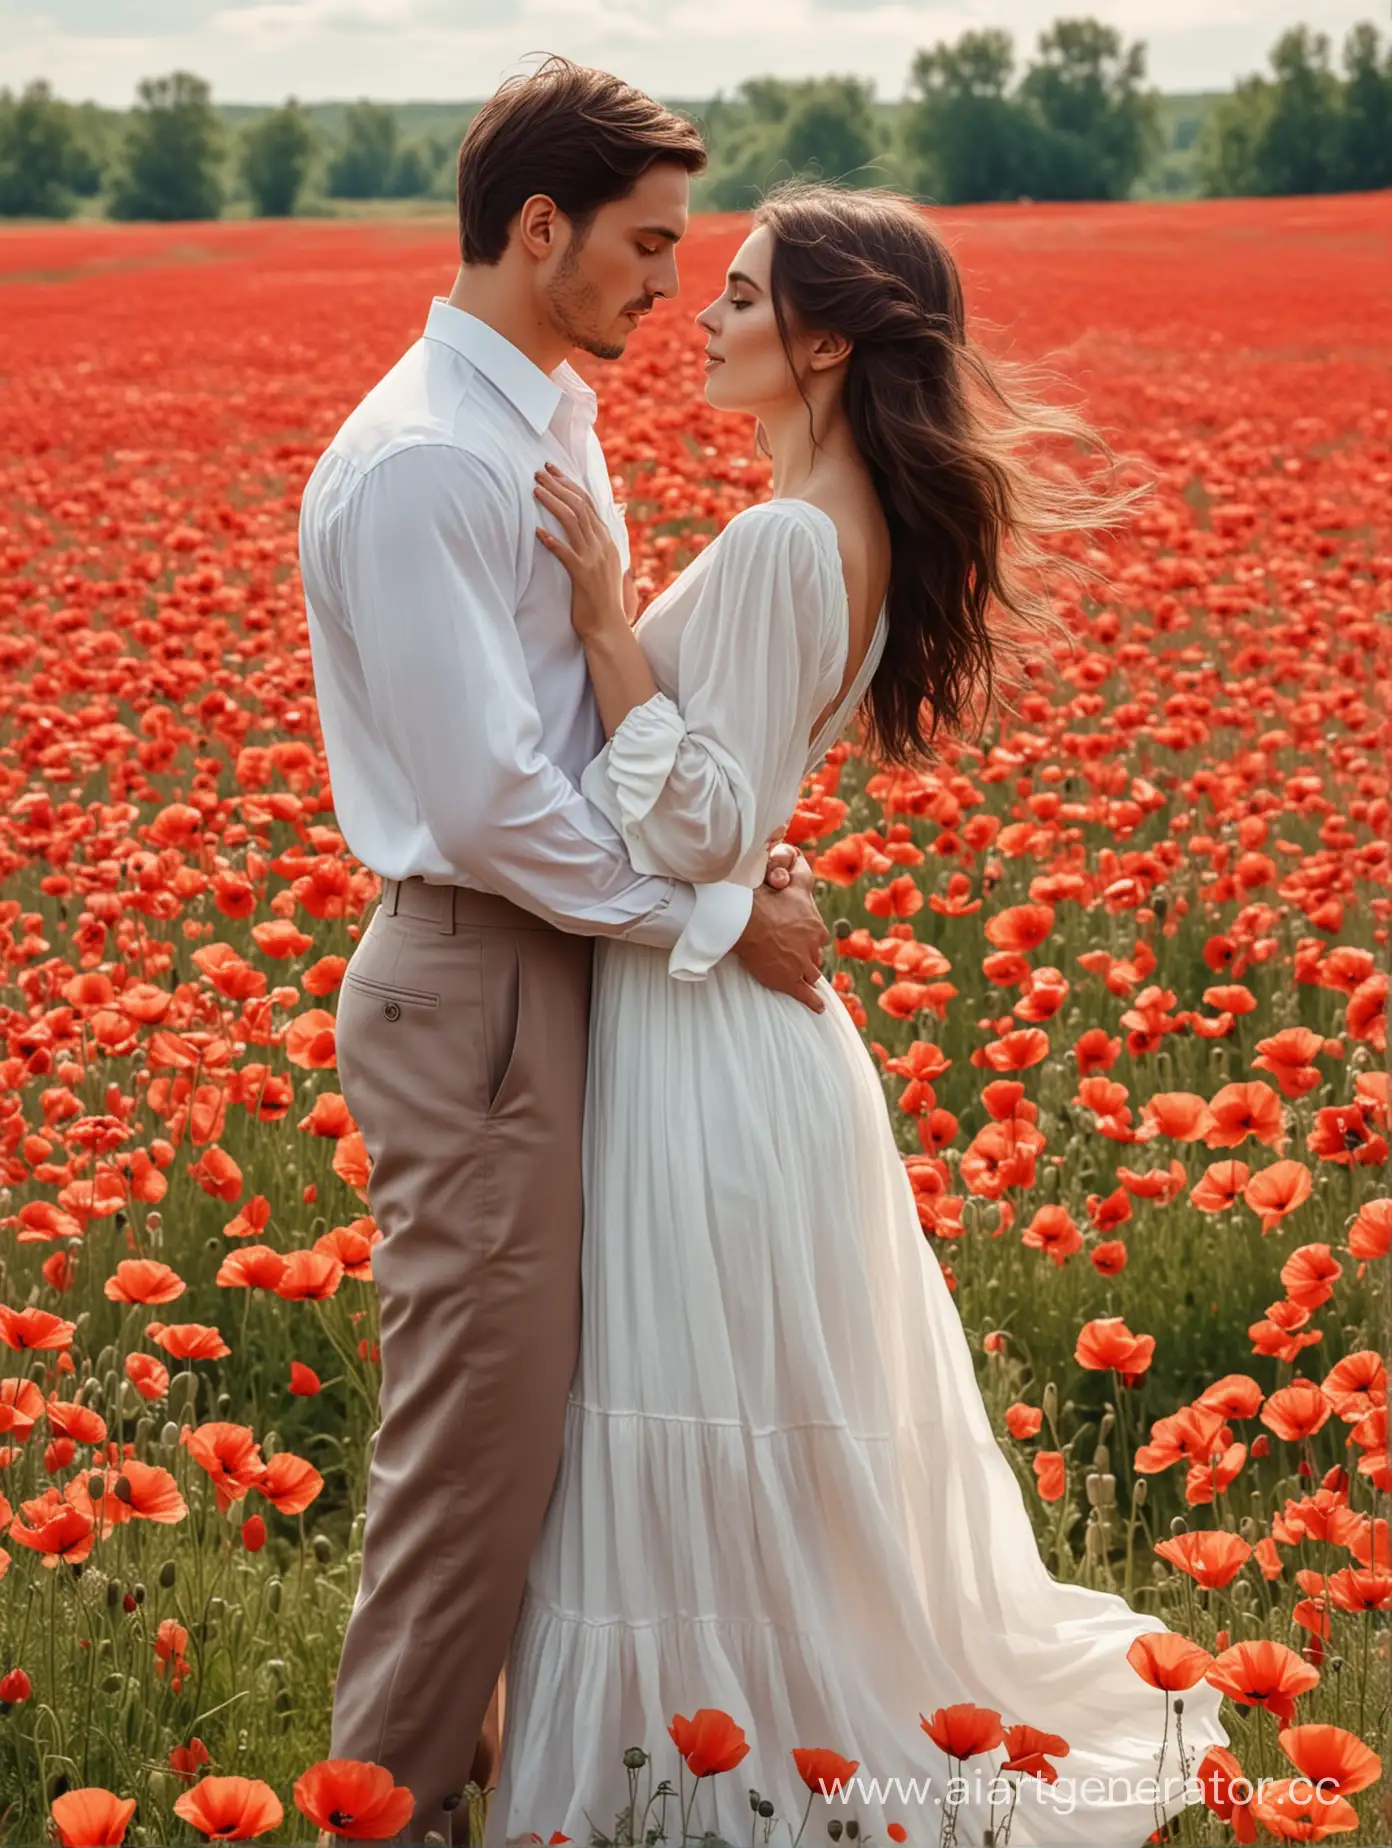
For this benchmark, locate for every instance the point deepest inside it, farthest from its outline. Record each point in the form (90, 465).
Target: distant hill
(446, 120)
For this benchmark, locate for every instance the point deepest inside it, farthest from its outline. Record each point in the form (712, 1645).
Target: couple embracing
(727, 1450)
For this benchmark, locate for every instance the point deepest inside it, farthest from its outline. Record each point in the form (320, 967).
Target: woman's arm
(599, 612)
(697, 782)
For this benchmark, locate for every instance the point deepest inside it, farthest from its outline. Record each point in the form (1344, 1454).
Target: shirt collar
(534, 393)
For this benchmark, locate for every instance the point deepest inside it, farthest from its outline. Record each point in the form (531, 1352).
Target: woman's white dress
(780, 1492)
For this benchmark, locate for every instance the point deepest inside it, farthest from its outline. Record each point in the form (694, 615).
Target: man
(457, 718)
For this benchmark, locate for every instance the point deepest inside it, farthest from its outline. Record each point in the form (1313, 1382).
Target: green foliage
(965, 137)
(276, 154)
(362, 165)
(1364, 137)
(96, 138)
(824, 126)
(1100, 126)
(170, 161)
(1078, 125)
(41, 154)
(1231, 143)
(1303, 129)
(1300, 151)
(411, 172)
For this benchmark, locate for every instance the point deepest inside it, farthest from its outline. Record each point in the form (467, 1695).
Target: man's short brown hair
(578, 135)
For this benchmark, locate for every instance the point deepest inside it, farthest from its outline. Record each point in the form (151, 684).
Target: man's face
(599, 290)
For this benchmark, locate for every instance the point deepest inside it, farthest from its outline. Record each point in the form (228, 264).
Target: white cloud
(307, 20)
(263, 50)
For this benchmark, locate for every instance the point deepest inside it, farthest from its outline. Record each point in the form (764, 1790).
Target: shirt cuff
(660, 928)
(717, 922)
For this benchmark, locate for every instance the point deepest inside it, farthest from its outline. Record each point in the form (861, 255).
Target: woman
(780, 1493)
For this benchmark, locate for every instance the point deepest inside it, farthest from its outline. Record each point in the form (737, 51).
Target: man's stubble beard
(574, 303)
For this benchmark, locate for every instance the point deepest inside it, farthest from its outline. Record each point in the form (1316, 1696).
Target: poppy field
(1123, 960)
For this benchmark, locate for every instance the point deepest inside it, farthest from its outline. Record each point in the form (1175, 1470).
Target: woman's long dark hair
(947, 432)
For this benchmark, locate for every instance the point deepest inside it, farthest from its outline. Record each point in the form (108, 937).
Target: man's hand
(783, 940)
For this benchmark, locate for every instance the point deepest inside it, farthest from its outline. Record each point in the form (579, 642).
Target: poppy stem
(681, 1791)
(948, 1837)
(805, 1814)
(1160, 1763)
(1124, 1446)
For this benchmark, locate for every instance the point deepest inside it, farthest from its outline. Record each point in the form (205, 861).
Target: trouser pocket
(500, 1009)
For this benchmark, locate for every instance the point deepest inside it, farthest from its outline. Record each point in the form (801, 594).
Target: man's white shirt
(453, 693)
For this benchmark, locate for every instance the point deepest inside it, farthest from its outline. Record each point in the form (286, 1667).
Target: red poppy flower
(964, 1730)
(710, 1742)
(824, 1771)
(230, 1809)
(349, 1797)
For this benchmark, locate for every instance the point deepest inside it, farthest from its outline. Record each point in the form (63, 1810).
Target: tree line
(1078, 122)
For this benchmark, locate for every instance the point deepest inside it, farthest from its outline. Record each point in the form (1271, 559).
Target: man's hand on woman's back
(783, 941)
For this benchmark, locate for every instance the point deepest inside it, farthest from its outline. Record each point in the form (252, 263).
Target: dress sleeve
(694, 783)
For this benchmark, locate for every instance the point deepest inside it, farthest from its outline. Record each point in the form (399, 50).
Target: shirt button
(392, 1010)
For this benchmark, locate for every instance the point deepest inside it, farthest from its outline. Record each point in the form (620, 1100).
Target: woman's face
(746, 366)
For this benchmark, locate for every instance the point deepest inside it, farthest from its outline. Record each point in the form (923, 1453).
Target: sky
(260, 51)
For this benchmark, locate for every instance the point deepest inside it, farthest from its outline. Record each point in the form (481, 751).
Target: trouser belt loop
(448, 895)
(391, 895)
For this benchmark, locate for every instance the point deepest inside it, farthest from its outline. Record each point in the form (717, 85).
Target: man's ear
(538, 225)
